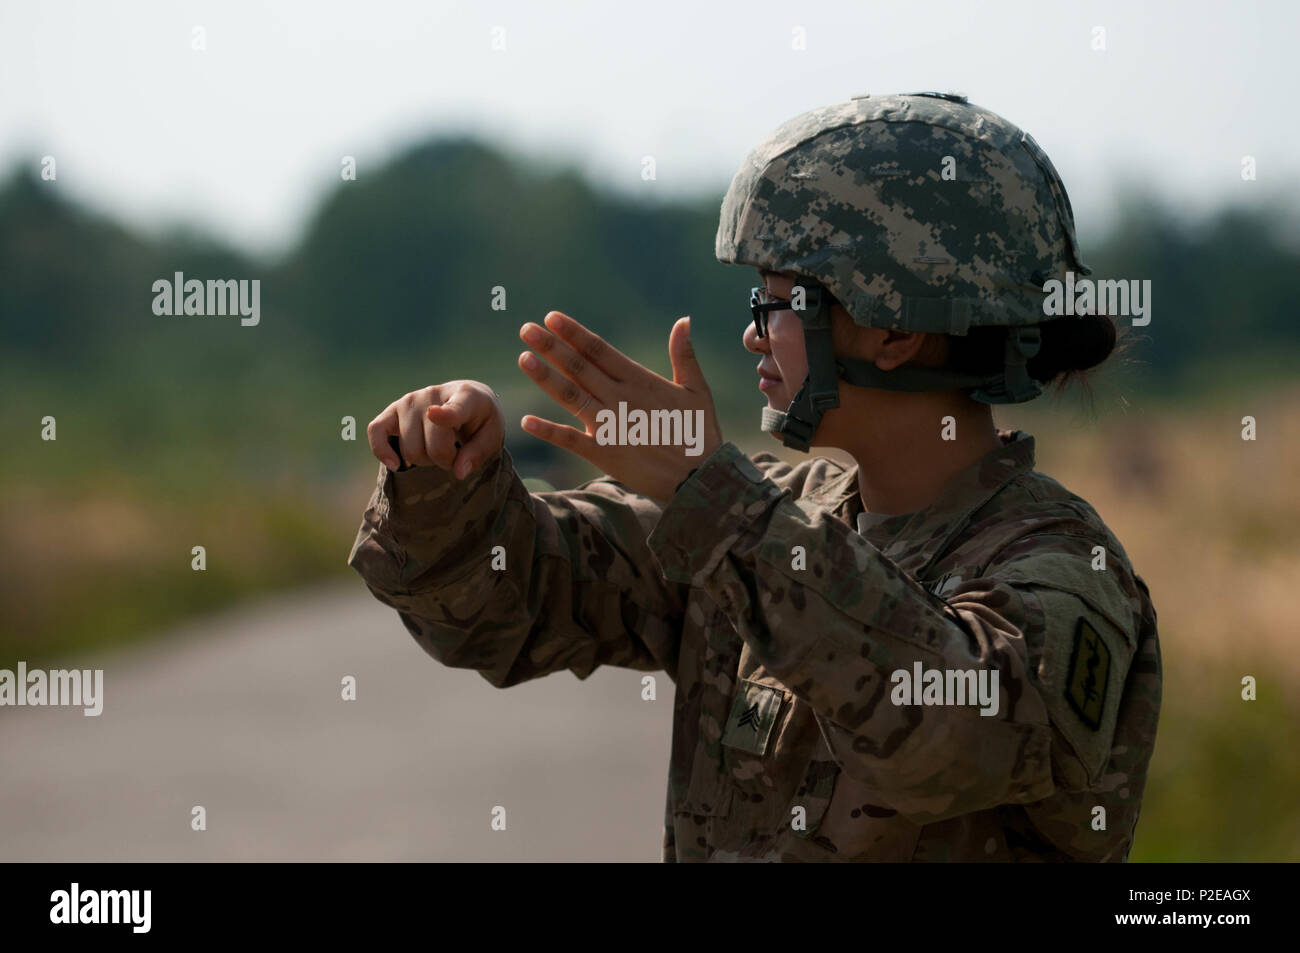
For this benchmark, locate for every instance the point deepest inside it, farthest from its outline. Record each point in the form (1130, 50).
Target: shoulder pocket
(1084, 667)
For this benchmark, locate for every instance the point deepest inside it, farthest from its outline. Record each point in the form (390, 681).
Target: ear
(853, 340)
(899, 347)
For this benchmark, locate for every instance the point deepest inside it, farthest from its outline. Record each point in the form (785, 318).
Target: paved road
(241, 713)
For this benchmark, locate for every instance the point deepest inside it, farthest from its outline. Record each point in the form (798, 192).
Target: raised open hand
(663, 430)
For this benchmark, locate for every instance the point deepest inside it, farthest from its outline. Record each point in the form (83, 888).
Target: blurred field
(1209, 520)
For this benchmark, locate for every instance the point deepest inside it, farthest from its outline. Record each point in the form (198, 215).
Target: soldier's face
(782, 349)
(783, 364)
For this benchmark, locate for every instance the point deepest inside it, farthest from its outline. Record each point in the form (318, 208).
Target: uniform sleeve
(834, 619)
(516, 585)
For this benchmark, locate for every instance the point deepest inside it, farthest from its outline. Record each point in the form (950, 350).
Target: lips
(767, 381)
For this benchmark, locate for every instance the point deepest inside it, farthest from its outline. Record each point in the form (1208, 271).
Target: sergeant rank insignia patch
(1085, 685)
(753, 716)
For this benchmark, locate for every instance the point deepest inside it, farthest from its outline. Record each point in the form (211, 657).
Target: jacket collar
(914, 540)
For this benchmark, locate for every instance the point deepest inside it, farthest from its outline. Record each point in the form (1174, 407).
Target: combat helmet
(916, 212)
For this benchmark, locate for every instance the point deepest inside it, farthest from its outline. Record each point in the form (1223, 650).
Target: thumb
(681, 352)
(452, 413)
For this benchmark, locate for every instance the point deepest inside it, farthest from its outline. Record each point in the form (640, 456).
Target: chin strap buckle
(794, 432)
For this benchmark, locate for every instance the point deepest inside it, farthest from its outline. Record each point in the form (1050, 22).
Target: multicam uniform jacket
(782, 612)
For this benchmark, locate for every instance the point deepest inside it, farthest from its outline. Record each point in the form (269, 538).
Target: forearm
(487, 576)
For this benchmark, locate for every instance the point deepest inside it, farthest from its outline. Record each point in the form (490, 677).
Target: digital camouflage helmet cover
(917, 212)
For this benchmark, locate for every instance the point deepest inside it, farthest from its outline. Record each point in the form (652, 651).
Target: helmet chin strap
(820, 392)
(821, 388)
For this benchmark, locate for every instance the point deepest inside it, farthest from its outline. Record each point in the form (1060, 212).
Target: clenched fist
(456, 426)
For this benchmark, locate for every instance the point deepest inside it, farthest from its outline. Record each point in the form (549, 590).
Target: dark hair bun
(1072, 344)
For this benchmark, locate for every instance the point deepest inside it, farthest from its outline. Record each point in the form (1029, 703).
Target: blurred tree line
(391, 288)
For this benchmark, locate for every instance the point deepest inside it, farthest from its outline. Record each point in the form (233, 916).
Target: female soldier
(935, 654)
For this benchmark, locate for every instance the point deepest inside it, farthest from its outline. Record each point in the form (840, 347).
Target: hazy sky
(242, 137)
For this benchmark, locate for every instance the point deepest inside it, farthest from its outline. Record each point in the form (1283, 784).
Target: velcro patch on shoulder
(1089, 674)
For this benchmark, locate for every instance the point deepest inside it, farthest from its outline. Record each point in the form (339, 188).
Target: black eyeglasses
(761, 301)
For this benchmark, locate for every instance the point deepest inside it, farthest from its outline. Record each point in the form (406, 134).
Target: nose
(759, 345)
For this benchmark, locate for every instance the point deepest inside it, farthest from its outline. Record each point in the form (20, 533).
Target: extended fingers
(592, 347)
(566, 438)
(560, 389)
(566, 360)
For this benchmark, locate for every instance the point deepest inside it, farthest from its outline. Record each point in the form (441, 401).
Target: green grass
(80, 599)
(1224, 781)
